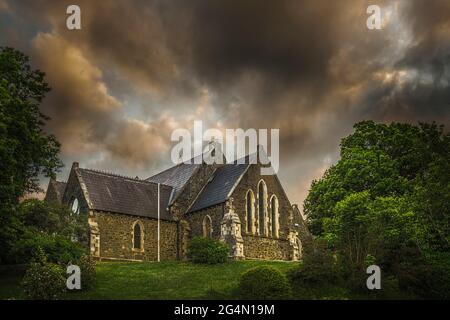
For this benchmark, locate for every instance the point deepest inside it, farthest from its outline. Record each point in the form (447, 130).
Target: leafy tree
(387, 201)
(26, 151)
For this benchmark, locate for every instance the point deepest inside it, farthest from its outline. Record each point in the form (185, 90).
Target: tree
(387, 200)
(26, 151)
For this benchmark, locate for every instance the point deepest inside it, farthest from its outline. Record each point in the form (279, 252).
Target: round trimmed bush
(43, 280)
(207, 251)
(264, 283)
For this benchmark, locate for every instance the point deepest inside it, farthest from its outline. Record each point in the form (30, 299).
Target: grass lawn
(152, 280)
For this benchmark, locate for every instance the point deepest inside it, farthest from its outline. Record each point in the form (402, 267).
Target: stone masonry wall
(116, 237)
(73, 190)
(266, 248)
(195, 220)
(191, 190)
(256, 246)
(51, 194)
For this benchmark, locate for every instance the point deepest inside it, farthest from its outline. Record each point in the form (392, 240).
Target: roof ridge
(109, 173)
(116, 175)
(157, 174)
(234, 162)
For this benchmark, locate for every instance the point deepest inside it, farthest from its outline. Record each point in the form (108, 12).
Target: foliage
(88, 272)
(387, 202)
(264, 283)
(318, 266)
(43, 280)
(58, 249)
(53, 218)
(26, 151)
(207, 250)
(167, 280)
(52, 228)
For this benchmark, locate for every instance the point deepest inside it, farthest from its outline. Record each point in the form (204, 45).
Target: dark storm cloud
(310, 68)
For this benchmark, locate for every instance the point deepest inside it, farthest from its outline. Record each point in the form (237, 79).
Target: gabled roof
(176, 177)
(222, 184)
(119, 194)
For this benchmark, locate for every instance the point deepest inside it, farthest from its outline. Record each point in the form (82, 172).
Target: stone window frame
(275, 223)
(250, 215)
(265, 211)
(141, 226)
(71, 203)
(207, 219)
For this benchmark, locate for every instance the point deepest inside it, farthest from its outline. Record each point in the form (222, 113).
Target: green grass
(152, 280)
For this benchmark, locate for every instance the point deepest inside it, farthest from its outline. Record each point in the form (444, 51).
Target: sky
(137, 70)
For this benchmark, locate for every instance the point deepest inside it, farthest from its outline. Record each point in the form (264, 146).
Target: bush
(263, 283)
(88, 273)
(58, 249)
(43, 280)
(318, 267)
(207, 250)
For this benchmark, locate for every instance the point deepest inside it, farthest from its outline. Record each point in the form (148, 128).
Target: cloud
(138, 69)
(85, 116)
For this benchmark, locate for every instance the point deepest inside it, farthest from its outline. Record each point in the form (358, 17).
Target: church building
(231, 202)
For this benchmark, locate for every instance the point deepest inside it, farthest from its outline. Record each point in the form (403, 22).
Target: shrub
(58, 249)
(43, 280)
(263, 283)
(88, 273)
(207, 250)
(318, 267)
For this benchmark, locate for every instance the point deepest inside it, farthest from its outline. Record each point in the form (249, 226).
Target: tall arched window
(138, 236)
(262, 208)
(250, 212)
(274, 215)
(207, 226)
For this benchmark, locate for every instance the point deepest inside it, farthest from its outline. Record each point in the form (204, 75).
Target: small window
(75, 206)
(250, 203)
(274, 216)
(137, 236)
(207, 227)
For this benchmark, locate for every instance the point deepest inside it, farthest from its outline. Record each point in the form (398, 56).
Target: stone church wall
(266, 248)
(116, 237)
(51, 195)
(191, 190)
(256, 246)
(195, 220)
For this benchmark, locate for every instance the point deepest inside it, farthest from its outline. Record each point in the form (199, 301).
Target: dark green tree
(386, 201)
(26, 150)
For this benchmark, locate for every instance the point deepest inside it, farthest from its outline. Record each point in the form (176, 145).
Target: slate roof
(220, 186)
(176, 176)
(114, 193)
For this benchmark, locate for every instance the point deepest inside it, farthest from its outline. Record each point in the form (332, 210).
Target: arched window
(262, 208)
(250, 212)
(274, 215)
(207, 226)
(138, 236)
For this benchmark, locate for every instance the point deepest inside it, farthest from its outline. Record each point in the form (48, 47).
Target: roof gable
(220, 186)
